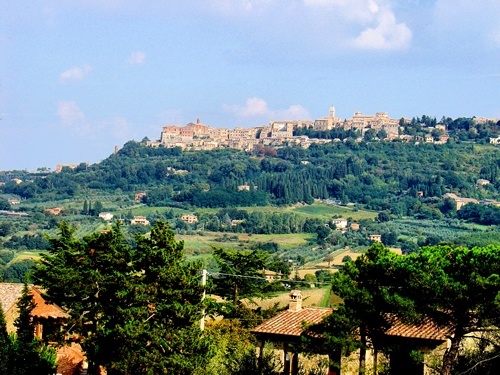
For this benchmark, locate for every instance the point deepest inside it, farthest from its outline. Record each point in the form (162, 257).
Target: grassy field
(318, 210)
(326, 211)
(203, 244)
(310, 297)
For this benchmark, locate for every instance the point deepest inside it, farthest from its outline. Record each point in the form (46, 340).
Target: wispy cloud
(75, 74)
(359, 24)
(387, 34)
(137, 58)
(72, 119)
(258, 108)
(69, 113)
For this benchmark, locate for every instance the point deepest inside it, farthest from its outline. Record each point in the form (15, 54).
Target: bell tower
(332, 111)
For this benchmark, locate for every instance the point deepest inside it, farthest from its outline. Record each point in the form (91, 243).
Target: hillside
(279, 201)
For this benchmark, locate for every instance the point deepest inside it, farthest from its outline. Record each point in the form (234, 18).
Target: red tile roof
(291, 323)
(70, 359)
(11, 292)
(425, 329)
(43, 309)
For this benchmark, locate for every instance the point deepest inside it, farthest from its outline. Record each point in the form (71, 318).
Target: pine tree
(135, 312)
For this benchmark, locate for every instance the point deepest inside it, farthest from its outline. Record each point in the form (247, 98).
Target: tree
(162, 329)
(364, 285)
(135, 312)
(408, 247)
(85, 209)
(4, 204)
(456, 286)
(346, 258)
(241, 273)
(329, 258)
(389, 238)
(383, 217)
(98, 208)
(323, 232)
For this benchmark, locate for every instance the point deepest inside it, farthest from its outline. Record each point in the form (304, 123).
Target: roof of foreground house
(425, 329)
(11, 292)
(291, 323)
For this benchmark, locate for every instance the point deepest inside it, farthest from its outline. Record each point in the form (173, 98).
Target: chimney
(197, 120)
(295, 301)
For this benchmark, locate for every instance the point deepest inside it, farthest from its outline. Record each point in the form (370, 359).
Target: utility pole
(204, 274)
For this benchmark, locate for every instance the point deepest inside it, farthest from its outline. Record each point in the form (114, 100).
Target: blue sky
(78, 77)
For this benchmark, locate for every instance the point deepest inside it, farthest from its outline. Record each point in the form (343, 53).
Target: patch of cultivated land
(204, 243)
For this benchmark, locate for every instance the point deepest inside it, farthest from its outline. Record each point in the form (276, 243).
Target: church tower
(332, 112)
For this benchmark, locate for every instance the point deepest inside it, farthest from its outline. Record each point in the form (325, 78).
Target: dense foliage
(456, 287)
(368, 173)
(132, 311)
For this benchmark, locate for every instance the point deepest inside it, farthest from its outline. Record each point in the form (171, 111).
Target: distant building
(140, 220)
(459, 200)
(59, 167)
(271, 275)
(495, 141)
(340, 223)
(482, 182)
(106, 216)
(138, 197)
(354, 226)
(327, 123)
(54, 211)
(375, 237)
(14, 201)
(246, 187)
(190, 219)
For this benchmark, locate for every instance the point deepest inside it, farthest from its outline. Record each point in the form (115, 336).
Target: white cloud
(71, 118)
(231, 7)
(75, 74)
(495, 37)
(116, 127)
(69, 113)
(387, 34)
(137, 58)
(362, 24)
(258, 108)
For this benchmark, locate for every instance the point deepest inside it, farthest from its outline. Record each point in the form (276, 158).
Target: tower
(332, 111)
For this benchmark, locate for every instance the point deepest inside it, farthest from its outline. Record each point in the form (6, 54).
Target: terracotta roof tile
(44, 309)
(9, 294)
(70, 359)
(290, 323)
(425, 329)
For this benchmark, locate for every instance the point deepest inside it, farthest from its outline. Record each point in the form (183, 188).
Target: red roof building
(285, 330)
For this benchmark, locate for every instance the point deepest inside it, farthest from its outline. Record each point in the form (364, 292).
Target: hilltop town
(198, 136)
